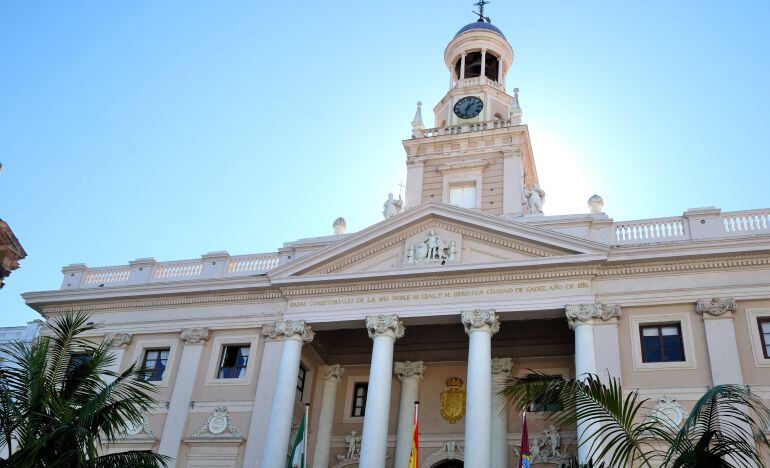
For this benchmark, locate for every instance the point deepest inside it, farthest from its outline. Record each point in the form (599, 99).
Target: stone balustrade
(466, 128)
(147, 270)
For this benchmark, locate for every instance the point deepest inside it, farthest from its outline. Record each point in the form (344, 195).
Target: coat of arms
(453, 400)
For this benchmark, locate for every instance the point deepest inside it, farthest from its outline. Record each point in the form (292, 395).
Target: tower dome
(480, 24)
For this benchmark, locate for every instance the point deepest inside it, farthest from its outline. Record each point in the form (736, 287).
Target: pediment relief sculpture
(218, 426)
(432, 249)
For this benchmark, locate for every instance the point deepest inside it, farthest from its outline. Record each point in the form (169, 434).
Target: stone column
(480, 325)
(500, 71)
(501, 371)
(483, 65)
(194, 340)
(462, 66)
(263, 398)
(410, 374)
(582, 319)
(383, 330)
(118, 343)
(294, 334)
(332, 376)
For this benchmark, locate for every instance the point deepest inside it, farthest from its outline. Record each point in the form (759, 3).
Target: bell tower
(478, 154)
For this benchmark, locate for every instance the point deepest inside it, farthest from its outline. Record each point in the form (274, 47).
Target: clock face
(468, 107)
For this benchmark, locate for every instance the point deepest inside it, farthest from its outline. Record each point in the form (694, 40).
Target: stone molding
(384, 325)
(194, 335)
(333, 373)
(408, 369)
(579, 314)
(715, 307)
(290, 330)
(502, 366)
(118, 340)
(480, 320)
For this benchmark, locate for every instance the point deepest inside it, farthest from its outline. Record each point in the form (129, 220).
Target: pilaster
(331, 378)
(410, 374)
(722, 344)
(501, 372)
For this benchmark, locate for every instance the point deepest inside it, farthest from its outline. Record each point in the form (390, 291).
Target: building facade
(462, 285)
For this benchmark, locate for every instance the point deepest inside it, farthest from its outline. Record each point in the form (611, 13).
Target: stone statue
(353, 441)
(392, 207)
(551, 435)
(432, 242)
(535, 199)
(535, 452)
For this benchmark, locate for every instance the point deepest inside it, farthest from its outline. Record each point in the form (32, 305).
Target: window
(234, 360)
(463, 195)
(359, 399)
(76, 360)
(545, 404)
(764, 334)
(662, 343)
(301, 382)
(154, 364)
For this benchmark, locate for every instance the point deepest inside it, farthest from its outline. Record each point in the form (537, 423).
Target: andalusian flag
(413, 456)
(525, 458)
(298, 456)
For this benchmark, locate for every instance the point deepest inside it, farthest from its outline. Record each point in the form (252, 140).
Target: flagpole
(307, 422)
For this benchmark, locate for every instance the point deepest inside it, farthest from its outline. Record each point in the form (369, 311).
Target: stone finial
(194, 335)
(340, 226)
(480, 320)
(417, 121)
(289, 329)
(384, 325)
(409, 369)
(715, 307)
(515, 102)
(117, 340)
(585, 313)
(595, 204)
(502, 366)
(333, 372)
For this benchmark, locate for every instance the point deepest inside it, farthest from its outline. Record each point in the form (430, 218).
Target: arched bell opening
(473, 65)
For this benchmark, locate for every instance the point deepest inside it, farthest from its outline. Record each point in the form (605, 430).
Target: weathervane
(480, 13)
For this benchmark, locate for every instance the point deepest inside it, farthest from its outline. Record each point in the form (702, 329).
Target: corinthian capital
(290, 330)
(194, 335)
(585, 313)
(715, 307)
(408, 369)
(384, 325)
(502, 366)
(480, 320)
(117, 340)
(333, 372)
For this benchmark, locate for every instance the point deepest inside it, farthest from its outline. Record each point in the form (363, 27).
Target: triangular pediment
(435, 235)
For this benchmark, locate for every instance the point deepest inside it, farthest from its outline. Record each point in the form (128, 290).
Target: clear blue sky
(175, 128)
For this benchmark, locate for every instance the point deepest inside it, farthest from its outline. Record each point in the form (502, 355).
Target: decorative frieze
(715, 307)
(585, 313)
(389, 325)
(333, 373)
(480, 320)
(195, 335)
(117, 340)
(289, 329)
(218, 425)
(502, 366)
(409, 369)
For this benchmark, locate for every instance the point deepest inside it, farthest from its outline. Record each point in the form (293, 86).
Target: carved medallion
(452, 401)
(668, 412)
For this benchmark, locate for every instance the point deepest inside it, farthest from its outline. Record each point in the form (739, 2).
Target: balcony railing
(467, 128)
(144, 271)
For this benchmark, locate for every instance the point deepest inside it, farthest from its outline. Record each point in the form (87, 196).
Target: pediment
(437, 236)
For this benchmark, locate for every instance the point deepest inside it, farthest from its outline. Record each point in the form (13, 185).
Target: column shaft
(483, 63)
(501, 371)
(478, 407)
(374, 438)
(410, 374)
(282, 409)
(326, 418)
(268, 374)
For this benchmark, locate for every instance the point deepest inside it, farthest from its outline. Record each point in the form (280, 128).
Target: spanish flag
(413, 456)
(525, 458)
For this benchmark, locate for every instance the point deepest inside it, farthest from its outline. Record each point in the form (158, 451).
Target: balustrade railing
(467, 128)
(746, 222)
(649, 231)
(107, 276)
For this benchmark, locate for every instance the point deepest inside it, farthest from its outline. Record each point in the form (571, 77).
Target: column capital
(502, 366)
(118, 340)
(715, 307)
(194, 335)
(586, 314)
(384, 325)
(333, 373)
(480, 320)
(290, 330)
(407, 369)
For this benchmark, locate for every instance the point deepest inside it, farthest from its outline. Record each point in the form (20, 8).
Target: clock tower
(478, 154)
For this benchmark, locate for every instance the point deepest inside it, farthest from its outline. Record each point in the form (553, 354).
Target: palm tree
(724, 429)
(60, 403)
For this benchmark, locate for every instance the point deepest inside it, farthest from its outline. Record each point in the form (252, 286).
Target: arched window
(473, 65)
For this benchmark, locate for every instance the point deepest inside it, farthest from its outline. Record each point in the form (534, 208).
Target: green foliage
(59, 414)
(724, 428)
